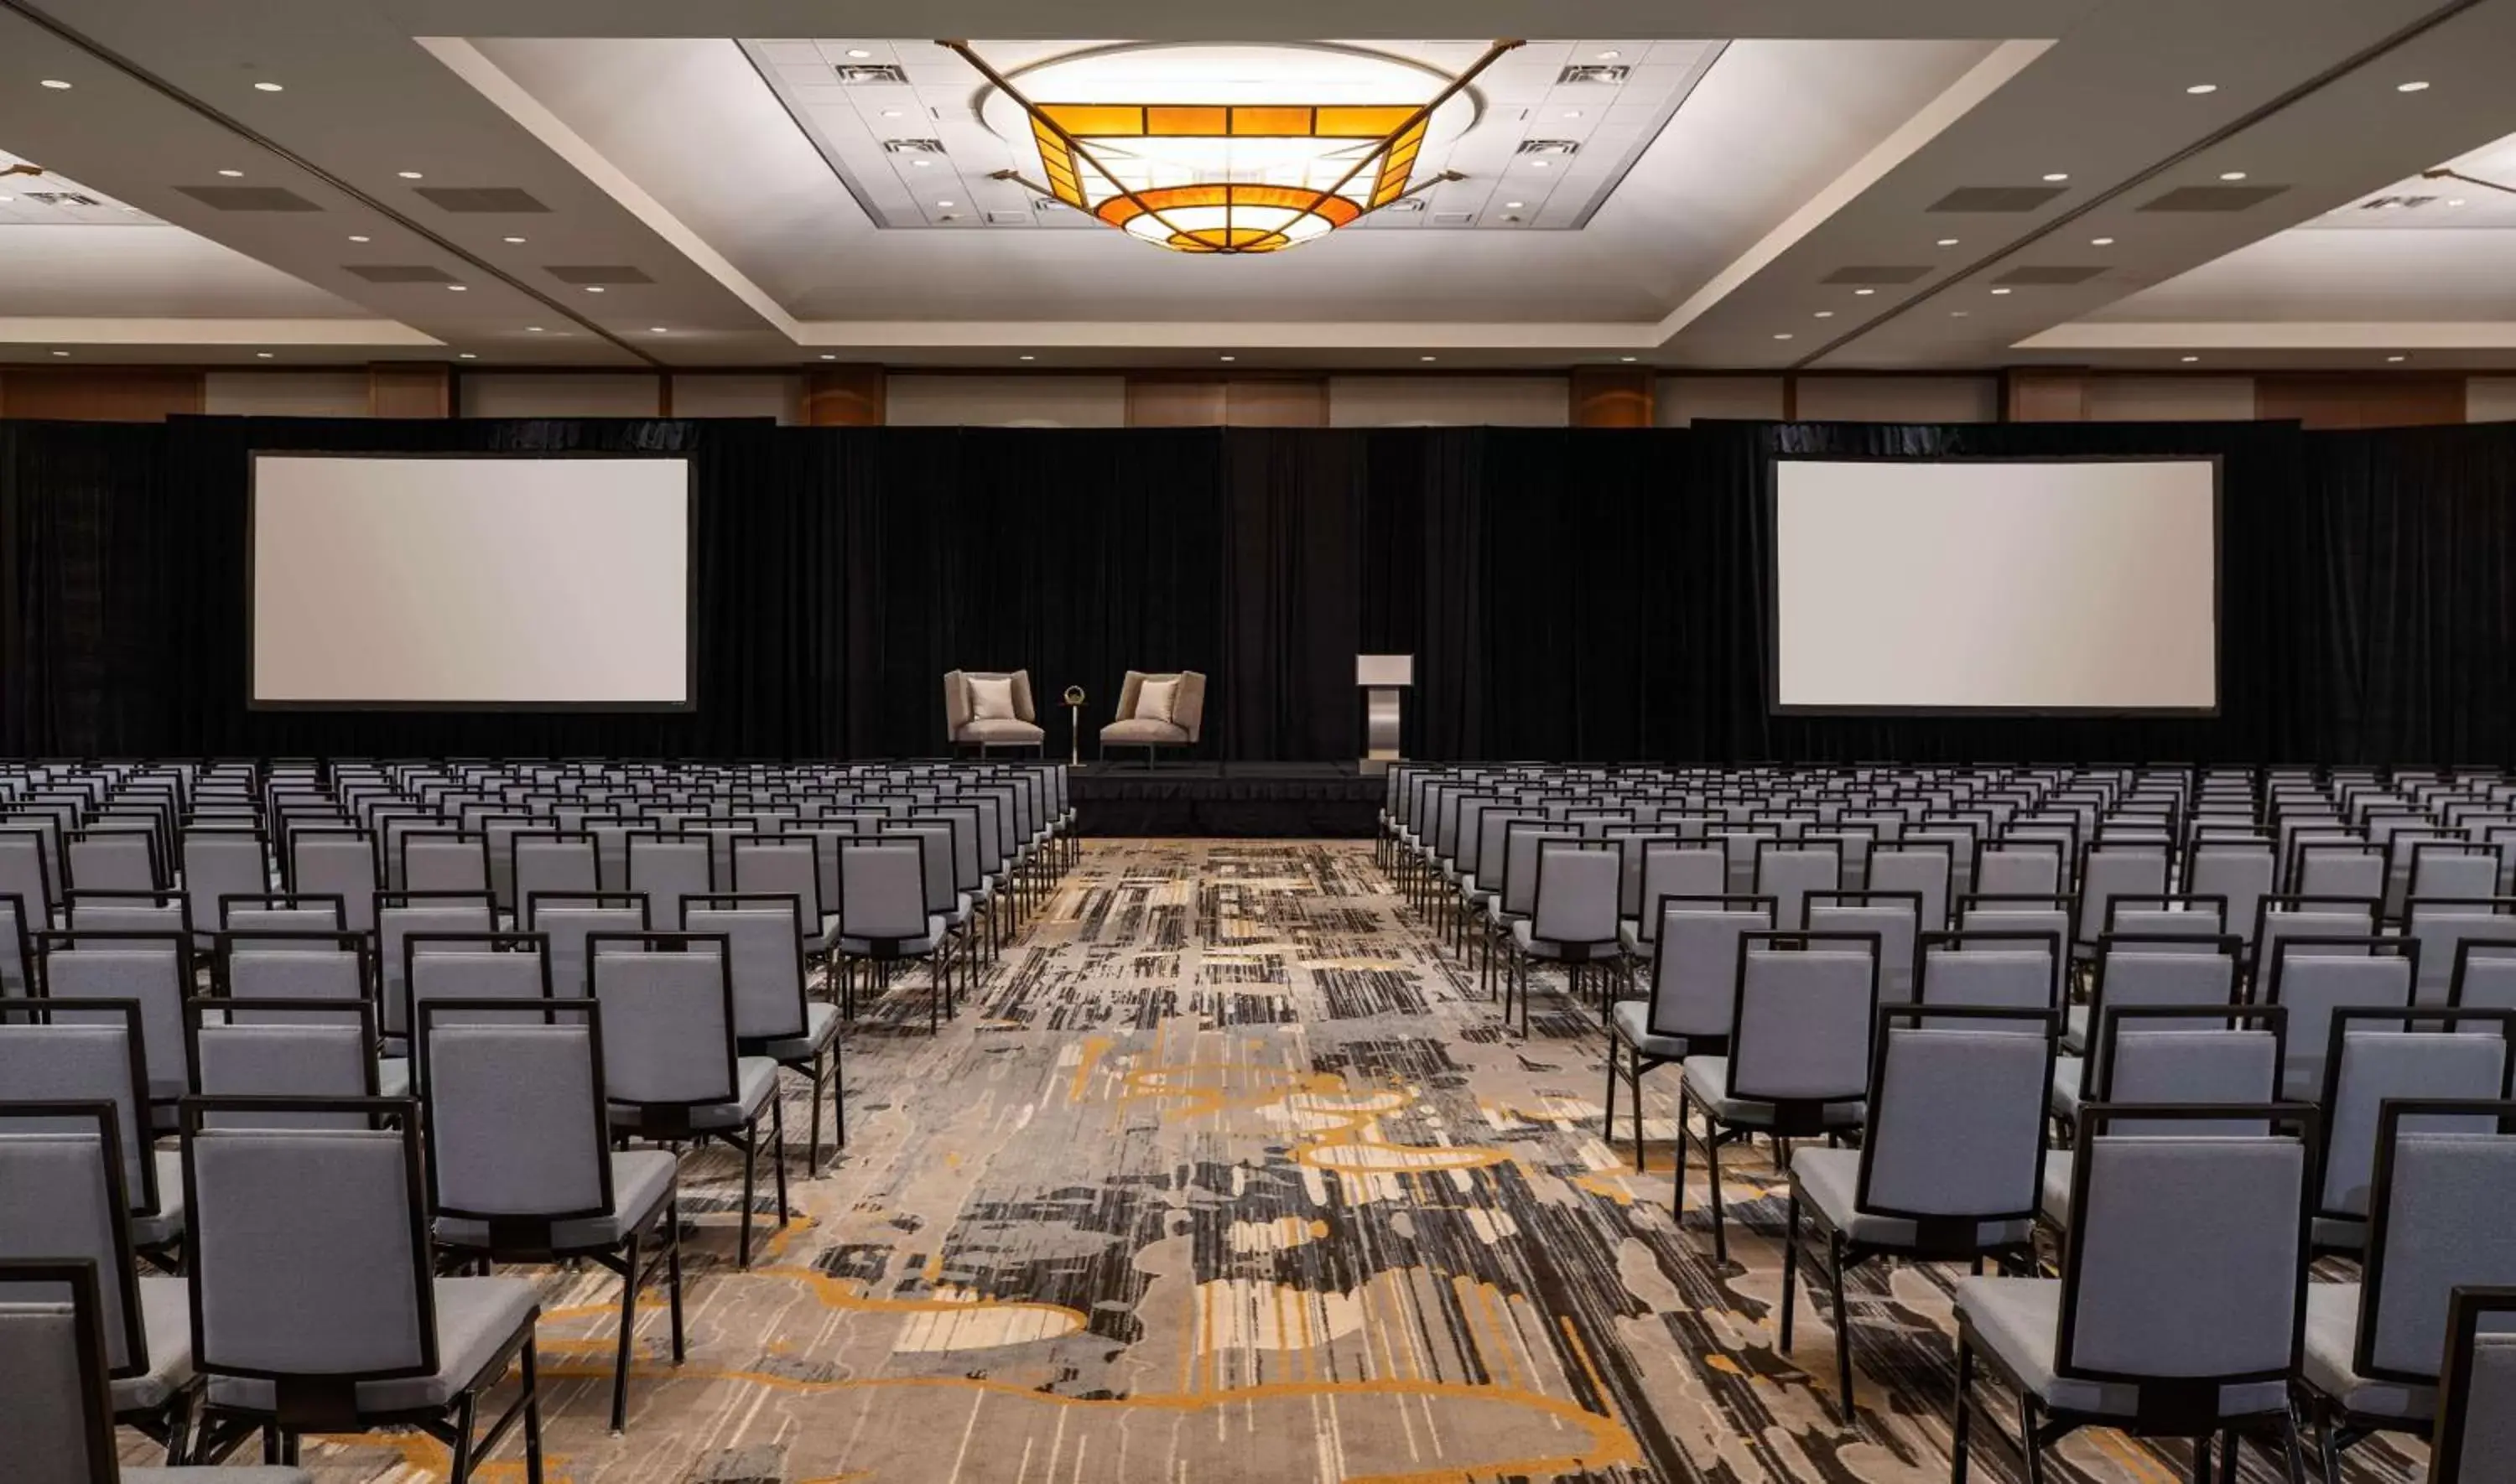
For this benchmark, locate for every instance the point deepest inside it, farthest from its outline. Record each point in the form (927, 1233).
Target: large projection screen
(422, 583)
(1997, 585)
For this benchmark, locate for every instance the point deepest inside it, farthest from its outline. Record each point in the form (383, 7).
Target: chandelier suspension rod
(1492, 55)
(961, 49)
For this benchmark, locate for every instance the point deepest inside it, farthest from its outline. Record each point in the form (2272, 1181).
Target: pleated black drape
(1568, 593)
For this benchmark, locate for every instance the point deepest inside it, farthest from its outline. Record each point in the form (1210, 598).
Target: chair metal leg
(750, 1160)
(628, 1336)
(1959, 1415)
(460, 1472)
(1634, 1085)
(532, 1414)
(2027, 1444)
(2201, 1460)
(1713, 1182)
(1790, 1266)
(2293, 1453)
(1844, 1408)
(673, 1269)
(1677, 1203)
(777, 1123)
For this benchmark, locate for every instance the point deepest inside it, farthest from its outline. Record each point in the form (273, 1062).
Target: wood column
(410, 388)
(844, 397)
(1155, 401)
(1613, 396)
(99, 393)
(2034, 395)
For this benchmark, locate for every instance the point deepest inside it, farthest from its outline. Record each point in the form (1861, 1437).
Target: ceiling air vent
(855, 75)
(481, 198)
(2215, 198)
(1874, 274)
(248, 198)
(914, 147)
(1454, 218)
(400, 273)
(63, 198)
(2398, 203)
(2047, 277)
(582, 276)
(1405, 204)
(1009, 219)
(1593, 72)
(1996, 198)
(1549, 146)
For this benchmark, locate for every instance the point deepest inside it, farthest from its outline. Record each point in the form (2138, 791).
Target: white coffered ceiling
(612, 181)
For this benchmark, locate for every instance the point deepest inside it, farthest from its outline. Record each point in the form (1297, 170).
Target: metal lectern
(1384, 678)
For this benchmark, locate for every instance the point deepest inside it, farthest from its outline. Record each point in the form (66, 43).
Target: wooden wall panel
(1155, 401)
(844, 397)
(1277, 403)
(411, 390)
(2361, 401)
(1613, 396)
(2035, 395)
(99, 393)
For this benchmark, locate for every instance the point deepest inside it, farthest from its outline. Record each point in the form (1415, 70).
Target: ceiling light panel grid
(1523, 96)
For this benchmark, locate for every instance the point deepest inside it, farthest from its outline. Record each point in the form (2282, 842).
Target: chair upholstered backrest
(1575, 901)
(66, 1201)
(768, 959)
(2240, 872)
(1694, 963)
(95, 1056)
(934, 858)
(2438, 1221)
(553, 861)
(668, 1028)
(1522, 845)
(2191, 1056)
(2475, 1433)
(2018, 868)
(780, 866)
(56, 1409)
(327, 967)
(2167, 917)
(446, 861)
(1788, 872)
(1956, 1119)
(2452, 870)
(2374, 1059)
(339, 1288)
(516, 1122)
(2016, 970)
(398, 915)
(2186, 1259)
(1676, 870)
(2135, 974)
(129, 911)
(1894, 916)
(27, 868)
(2109, 870)
(283, 1049)
(154, 970)
(960, 710)
(116, 859)
(2334, 868)
(220, 863)
(2483, 976)
(667, 868)
(342, 861)
(569, 921)
(1920, 866)
(16, 946)
(1188, 705)
(1803, 1019)
(2323, 917)
(2443, 926)
(2312, 977)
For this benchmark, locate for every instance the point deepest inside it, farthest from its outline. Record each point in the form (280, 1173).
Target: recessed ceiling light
(1610, 55)
(2101, 241)
(4, 200)
(829, 357)
(533, 329)
(2000, 291)
(1948, 242)
(1572, 113)
(657, 330)
(1958, 314)
(1862, 292)
(2454, 201)
(1824, 314)
(1029, 357)
(2232, 174)
(60, 352)
(891, 113)
(57, 86)
(1629, 359)
(943, 203)
(1782, 335)
(412, 174)
(1538, 164)
(920, 164)
(2192, 357)
(1424, 358)
(2058, 174)
(1227, 358)
(232, 174)
(465, 355)
(2200, 88)
(858, 53)
(268, 87)
(593, 288)
(459, 288)
(516, 240)
(2394, 357)
(354, 237)
(1514, 205)
(2400, 87)
(262, 356)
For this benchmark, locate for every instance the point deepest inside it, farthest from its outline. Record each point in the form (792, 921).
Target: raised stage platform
(1279, 801)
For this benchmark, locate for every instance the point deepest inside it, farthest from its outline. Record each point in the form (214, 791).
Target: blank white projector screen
(1992, 585)
(447, 582)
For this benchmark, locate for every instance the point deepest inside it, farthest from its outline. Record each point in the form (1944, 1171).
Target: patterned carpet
(1230, 1173)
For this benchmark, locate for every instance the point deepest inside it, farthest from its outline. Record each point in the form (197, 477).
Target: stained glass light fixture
(1231, 149)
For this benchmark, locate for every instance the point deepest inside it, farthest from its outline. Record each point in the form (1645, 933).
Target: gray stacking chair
(26, 872)
(444, 860)
(2312, 916)
(2444, 1180)
(2337, 868)
(1572, 917)
(57, 1392)
(61, 1164)
(519, 1168)
(780, 865)
(553, 863)
(1679, 868)
(333, 1320)
(1788, 871)
(2442, 926)
(113, 858)
(287, 1049)
(400, 914)
(568, 919)
(2018, 868)
(2475, 1433)
(1949, 1169)
(2375, 1056)
(341, 863)
(219, 864)
(2109, 869)
(668, 868)
(2167, 917)
(2239, 872)
(2191, 1054)
(2310, 977)
(16, 948)
(2136, 973)
(1894, 916)
(672, 1067)
(2452, 870)
(883, 921)
(96, 1055)
(284, 912)
(2180, 1311)
(2038, 913)
(773, 1016)
(1798, 1061)
(153, 969)
(472, 966)
(1694, 990)
(128, 911)
(2483, 976)
(1991, 969)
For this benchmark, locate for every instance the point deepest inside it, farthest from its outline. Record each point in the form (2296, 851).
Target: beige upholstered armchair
(991, 708)
(1156, 711)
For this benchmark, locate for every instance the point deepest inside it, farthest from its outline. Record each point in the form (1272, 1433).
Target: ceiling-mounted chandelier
(1198, 149)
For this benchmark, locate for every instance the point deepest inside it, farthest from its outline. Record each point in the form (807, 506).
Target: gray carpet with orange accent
(1228, 1172)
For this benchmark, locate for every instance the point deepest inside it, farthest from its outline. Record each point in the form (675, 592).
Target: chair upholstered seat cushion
(824, 939)
(1631, 1021)
(821, 1028)
(1707, 1081)
(2056, 1200)
(642, 1180)
(475, 1318)
(860, 947)
(166, 1313)
(2067, 1073)
(392, 1077)
(2018, 1319)
(1829, 1180)
(755, 1079)
(1143, 732)
(1523, 938)
(168, 1223)
(2332, 1334)
(1021, 734)
(2075, 1028)
(203, 1474)
(1629, 936)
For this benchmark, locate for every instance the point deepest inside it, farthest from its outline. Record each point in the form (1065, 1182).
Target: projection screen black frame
(1774, 705)
(689, 701)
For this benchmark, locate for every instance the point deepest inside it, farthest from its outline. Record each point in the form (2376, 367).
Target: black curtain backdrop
(1568, 593)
